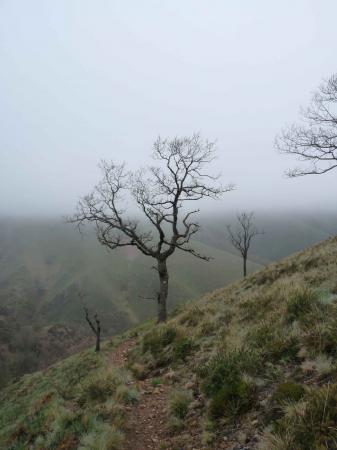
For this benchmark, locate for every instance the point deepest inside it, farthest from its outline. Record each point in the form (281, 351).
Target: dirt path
(119, 356)
(147, 419)
(146, 422)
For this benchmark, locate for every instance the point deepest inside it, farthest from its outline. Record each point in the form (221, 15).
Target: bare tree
(96, 328)
(314, 140)
(243, 234)
(161, 193)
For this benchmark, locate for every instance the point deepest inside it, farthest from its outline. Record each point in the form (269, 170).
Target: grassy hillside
(252, 365)
(45, 266)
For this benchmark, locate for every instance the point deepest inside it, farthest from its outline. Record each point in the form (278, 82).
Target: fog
(84, 80)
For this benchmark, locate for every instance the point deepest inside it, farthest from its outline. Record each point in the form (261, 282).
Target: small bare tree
(315, 139)
(161, 193)
(96, 328)
(243, 234)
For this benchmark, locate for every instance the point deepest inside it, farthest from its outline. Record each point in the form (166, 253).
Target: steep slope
(45, 266)
(252, 365)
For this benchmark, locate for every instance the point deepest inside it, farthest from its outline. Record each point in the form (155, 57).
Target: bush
(104, 437)
(179, 403)
(288, 392)
(175, 424)
(101, 386)
(274, 343)
(310, 425)
(321, 337)
(126, 395)
(155, 341)
(224, 384)
(182, 348)
(300, 302)
(138, 371)
(232, 399)
(192, 316)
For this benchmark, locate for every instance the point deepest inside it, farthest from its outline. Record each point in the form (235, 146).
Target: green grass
(179, 403)
(254, 361)
(310, 424)
(71, 403)
(45, 265)
(256, 347)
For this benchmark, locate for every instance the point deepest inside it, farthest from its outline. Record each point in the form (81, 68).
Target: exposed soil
(120, 354)
(146, 421)
(146, 424)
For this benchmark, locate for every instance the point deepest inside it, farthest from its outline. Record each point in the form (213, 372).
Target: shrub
(322, 364)
(64, 426)
(155, 341)
(167, 335)
(182, 348)
(274, 343)
(224, 384)
(179, 403)
(138, 371)
(232, 399)
(222, 368)
(104, 437)
(207, 328)
(192, 316)
(300, 302)
(126, 395)
(288, 392)
(100, 386)
(309, 425)
(321, 337)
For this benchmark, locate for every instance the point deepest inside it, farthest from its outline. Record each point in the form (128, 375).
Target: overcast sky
(84, 80)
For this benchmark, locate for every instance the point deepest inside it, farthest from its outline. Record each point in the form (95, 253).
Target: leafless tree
(161, 193)
(314, 139)
(96, 328)
(243, 234)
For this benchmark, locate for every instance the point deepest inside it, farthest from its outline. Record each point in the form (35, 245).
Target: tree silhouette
(96, 328)
(161, 193)
(241, 237)
(314, 140)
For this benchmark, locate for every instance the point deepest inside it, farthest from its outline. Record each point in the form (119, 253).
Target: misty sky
(84, 80)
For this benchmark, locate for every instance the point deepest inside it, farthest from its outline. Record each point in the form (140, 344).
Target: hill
(251, 365)
(286, 232)
(45, 266)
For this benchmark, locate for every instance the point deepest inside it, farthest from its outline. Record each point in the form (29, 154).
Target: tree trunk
(98, 342)
(244, 266)
(163, 290)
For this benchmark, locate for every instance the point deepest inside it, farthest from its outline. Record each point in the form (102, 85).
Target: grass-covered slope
(261, 355)
(252, 365)
(78, 403)
(46, 266)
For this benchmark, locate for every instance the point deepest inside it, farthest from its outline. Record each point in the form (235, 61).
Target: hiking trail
(146, 420)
